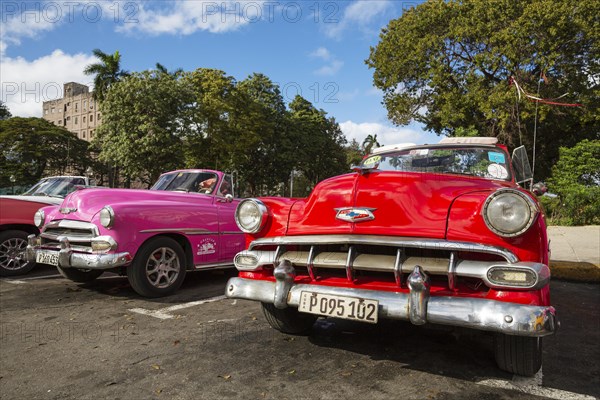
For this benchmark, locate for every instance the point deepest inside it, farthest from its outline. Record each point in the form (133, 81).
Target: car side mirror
(227, 199)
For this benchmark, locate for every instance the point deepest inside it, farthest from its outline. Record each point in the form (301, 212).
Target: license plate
(47, 257)
(345, 307)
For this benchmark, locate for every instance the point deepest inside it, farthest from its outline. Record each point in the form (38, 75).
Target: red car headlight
(251, 215)
(509, 212)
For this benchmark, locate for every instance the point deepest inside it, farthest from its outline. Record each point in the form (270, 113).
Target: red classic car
(438, 234)
(16, 219)
(185, 222)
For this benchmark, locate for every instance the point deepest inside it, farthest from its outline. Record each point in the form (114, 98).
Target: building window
(83, 120)
(46, 111)
(68, 118)
(91, 134)
(83, 134)
(76, 105)
(99, 117)
(76, 120)
(91, 117)
(53, 110)
(84, 105)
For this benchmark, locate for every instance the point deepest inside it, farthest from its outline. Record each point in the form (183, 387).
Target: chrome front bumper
(417, 306)
(67, 258)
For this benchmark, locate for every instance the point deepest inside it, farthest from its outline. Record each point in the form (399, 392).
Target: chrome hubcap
(162, 267)
(12, 254)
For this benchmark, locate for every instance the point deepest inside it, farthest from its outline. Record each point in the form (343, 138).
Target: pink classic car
(185, 222)
(16, 218)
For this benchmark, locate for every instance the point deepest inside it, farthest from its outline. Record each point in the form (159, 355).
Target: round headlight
(509, 213)
(39, 218)
(251, 215)
(107, 217)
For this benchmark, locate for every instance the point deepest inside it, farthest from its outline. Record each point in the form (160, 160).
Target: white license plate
(47, 257)
(345, 307)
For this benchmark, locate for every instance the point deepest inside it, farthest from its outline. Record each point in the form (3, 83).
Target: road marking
(43, 277)
(534, 387)
(163, 313)
(23, 280)
(14, 281)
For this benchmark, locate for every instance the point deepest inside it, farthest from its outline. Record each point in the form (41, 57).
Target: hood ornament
(355, 214)
(67, 210)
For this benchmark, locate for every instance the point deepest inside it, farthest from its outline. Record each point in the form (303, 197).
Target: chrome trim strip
(309, 263)
(398, 267)
(475, 313)
(213, 266)
(349, 261)
(452, 270)
(232, 233)
(188, 231)
(392, 241)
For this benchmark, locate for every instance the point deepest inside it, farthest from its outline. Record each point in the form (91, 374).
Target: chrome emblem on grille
(67, 210)
(353, 214)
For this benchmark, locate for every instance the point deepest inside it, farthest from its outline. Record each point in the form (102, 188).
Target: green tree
(264, 145)
(449, 65)
(354, 153)
(213, 105)
(576, 181)
(4, 111)
(370, 142)
(319, 142)
(33, 147)
(143, 125)
(106, 72)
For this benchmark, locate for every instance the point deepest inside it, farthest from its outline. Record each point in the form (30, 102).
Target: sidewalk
(575, 252)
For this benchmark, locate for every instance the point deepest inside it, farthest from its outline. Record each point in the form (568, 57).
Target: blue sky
(313, 48)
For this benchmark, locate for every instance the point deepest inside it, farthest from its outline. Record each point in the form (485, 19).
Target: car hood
(401, 203)
(35, 199)
(84, 204)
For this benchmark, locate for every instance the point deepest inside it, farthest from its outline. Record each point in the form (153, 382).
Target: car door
(231, 238)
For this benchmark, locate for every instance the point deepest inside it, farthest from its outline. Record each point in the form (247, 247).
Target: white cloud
(360, 14)
(332, 65)
(330, 69)
(25, 84)
(188, 17)
(385, 134)
(321, 53)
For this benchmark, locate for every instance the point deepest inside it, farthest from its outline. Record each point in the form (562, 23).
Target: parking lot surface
(62, 340)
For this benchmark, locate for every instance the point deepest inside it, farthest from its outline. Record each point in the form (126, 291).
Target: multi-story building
(76, 111)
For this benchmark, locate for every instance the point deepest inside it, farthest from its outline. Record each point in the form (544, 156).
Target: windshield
(195, 182)
(484, 162)
(55, 187)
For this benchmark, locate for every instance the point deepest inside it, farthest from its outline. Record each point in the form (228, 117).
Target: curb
(575, 271)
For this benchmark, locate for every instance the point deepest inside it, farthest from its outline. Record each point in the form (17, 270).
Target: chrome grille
(366, 254)
(78, 233)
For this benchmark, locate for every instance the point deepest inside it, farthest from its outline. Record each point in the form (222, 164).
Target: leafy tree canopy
(449, 64)
(31, 147)
(143, 124)
(4, 111)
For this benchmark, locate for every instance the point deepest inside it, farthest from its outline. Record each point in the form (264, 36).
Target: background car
(439, 234)
(16, 218)
(185, 222)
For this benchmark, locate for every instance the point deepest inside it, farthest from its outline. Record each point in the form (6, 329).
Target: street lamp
(13, 180)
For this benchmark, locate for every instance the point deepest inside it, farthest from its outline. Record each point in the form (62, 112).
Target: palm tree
(370, 142)
(161, 69)
(107, 71)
